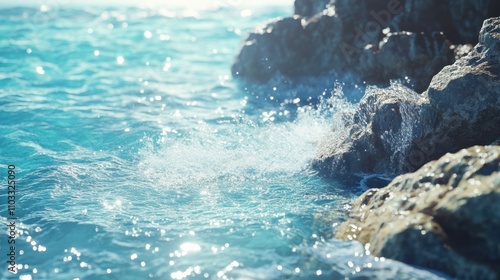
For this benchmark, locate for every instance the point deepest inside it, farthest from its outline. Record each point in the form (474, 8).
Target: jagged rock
(464, 101)
(445, 216)
(414, 56)
(290, 47)
(294, 47)
(268, 42)
(336, 39)
(309, 8)
(461, 108)
(459, 20)
(375, 138)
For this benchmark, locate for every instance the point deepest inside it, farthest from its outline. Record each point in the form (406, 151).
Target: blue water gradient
(139, 156)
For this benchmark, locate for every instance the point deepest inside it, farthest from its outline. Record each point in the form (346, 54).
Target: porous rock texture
(445, 216)
(463, 102)
(460, 108)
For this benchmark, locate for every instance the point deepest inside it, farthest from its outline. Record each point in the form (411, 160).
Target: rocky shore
(443, 216)
(376, 40)
(398, 131)
(393, 130)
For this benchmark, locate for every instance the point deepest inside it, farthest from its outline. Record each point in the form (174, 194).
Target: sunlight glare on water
(139, 157)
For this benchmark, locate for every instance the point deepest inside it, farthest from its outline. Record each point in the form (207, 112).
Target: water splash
(377, 131)
(240, 150)
(402, 128)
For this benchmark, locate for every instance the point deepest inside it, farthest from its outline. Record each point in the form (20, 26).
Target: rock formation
(445, 216)
(375, 138)
(372, 39)
(461, 108)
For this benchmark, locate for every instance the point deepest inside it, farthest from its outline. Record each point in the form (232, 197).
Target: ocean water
(138, 156)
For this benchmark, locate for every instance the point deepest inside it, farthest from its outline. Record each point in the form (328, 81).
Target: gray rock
(290, 46)
(461, 108)
(280, 38)
(464, 101)
(413, 56)
(297, 47)
(459, 20)
(445, 216)
(375, 138)
(340, 38)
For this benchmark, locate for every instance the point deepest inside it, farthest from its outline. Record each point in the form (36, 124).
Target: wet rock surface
(461, 108)
(464, 101)
(375, 136)
(445, 216)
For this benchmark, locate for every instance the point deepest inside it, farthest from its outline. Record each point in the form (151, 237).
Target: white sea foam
(238, 151)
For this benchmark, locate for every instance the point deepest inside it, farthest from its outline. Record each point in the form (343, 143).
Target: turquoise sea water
(139, 157)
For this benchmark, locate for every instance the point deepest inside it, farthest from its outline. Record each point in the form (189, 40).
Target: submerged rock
(445, 216)
(461, 108)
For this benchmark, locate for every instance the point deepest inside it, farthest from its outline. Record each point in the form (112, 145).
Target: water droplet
(40, 70)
